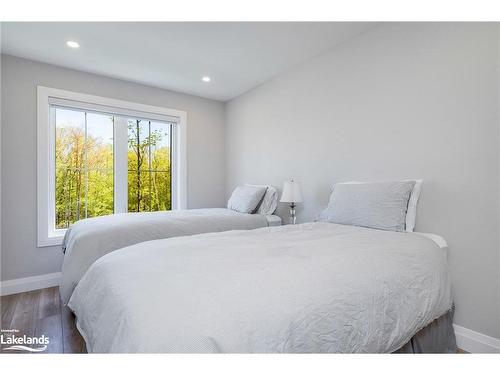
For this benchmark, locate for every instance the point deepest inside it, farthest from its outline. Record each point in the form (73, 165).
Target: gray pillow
(245, 198)
(269, 202)
(378, 205)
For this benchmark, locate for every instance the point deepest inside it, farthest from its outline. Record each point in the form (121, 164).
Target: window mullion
(52, 171)
(149, 168)
(85, 169)
(120, 165)
(173, 168)
(172, 162)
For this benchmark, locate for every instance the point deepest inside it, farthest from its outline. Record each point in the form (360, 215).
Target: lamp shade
(291, 192)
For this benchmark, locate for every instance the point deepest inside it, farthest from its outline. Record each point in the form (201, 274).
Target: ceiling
(237, 55)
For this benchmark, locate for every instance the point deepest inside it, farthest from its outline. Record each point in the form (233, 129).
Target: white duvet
(88, 240)
(315, 287)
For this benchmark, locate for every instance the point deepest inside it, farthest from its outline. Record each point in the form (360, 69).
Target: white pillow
(245, 198)
(269, 202)
(411, 214)
(378, 205)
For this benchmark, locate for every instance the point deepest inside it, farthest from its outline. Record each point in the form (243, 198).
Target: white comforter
(314, 287)
(88, 240)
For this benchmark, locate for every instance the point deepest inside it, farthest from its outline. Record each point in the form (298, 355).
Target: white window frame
(47, 234)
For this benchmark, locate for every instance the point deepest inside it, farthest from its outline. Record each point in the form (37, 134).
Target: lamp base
(293, 218)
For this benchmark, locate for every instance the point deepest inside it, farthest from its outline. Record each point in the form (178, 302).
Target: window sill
(55, 240)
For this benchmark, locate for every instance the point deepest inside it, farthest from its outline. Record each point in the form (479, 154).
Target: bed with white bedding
(314, 287)
(87, 240)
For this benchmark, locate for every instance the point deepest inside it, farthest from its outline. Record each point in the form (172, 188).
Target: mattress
(314, 287)
(87, 240)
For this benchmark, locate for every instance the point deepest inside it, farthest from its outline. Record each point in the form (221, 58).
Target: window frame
(47, 234)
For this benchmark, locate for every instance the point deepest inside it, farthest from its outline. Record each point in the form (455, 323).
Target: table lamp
(292, 194)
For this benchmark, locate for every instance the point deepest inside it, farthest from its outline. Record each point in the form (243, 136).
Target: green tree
(84, 180)
(84, 176)
(149, 170)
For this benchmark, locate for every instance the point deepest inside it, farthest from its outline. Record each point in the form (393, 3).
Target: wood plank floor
(40, 312)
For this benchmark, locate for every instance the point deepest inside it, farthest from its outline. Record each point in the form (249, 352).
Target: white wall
(400, 101)
(20, 257)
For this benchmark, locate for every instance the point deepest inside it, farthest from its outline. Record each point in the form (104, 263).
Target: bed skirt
(437, 337)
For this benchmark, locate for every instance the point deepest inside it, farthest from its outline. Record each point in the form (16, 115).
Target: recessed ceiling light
(72, 44)
(206, 79)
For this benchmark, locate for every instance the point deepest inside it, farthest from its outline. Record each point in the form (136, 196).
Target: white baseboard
(475, 342)
(29, 283)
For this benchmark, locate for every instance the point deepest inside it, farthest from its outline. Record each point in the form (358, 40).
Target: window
(149, 169)
(98, 156)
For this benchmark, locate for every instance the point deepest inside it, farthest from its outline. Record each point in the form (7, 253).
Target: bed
(315, 287)
(89, 239)
(249, 207)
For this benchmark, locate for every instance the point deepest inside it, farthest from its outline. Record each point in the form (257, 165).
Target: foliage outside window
(149, 172)
(85, 165)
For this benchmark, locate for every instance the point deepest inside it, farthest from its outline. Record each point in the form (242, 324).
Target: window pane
(70, 195)
(160, 149)
(99, 142)
(70, 143)
(149, 153)
(138, 191)
(70, 138)
(84, 166)
(138, 145)
(99, 193)
(161, 191)
(99, 163)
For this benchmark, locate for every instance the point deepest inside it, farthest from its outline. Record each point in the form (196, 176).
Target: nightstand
(273, 220)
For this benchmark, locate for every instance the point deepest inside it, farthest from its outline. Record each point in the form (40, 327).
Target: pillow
(245, 198)
(269, 202)
(378, 205)
(411, 214)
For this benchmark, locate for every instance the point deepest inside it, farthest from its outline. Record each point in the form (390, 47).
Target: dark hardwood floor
(40, 312)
